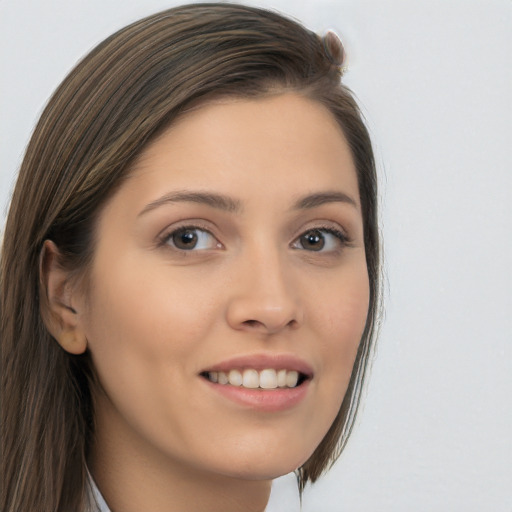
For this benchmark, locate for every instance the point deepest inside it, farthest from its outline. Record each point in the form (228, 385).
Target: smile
(262, 382)
(251, 378)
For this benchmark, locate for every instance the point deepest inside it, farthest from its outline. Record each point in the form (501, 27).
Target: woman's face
(234, 251)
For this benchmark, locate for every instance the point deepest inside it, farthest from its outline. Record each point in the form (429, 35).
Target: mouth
(268, 383)
(251, 378)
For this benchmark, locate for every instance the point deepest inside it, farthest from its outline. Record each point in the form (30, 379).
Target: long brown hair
(128, 89)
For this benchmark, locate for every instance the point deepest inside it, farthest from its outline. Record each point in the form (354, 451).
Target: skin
(155, 316)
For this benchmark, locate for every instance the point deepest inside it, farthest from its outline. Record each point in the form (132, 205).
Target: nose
(264, 297)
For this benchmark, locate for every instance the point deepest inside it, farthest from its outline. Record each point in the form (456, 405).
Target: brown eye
(185, 239)
(320, 240)
(313, 240)
(191, 238)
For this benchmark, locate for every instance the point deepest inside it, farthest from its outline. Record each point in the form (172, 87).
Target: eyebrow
(228, 204)
(320, 198)
(218, 201)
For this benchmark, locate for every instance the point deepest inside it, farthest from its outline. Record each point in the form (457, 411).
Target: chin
(263, 463)
(260, 472)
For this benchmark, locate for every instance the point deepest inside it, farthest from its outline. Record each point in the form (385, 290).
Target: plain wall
(434, 81)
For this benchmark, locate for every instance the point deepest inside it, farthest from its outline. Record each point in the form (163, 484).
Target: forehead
(281, 146)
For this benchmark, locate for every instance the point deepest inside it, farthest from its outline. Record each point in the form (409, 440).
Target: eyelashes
(196, 238)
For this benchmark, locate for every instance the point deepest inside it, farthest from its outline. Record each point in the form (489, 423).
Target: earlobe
(72, 342)
(57, 295)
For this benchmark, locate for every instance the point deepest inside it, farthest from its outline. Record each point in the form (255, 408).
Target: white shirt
(99, 500)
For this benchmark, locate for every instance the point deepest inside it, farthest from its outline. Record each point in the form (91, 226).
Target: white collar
(98, 500)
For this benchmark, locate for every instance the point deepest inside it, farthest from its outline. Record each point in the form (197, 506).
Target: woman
(189, 274)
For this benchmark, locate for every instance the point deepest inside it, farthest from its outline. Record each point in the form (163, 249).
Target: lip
(263, 400)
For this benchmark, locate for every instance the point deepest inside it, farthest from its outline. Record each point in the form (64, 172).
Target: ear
(59, 296)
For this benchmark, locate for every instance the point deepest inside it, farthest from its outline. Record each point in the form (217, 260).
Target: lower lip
(265, 400)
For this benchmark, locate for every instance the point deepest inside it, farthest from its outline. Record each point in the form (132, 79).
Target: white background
(434, 81)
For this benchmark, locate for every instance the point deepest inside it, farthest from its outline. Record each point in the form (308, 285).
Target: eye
(320, 240)
(189, 238)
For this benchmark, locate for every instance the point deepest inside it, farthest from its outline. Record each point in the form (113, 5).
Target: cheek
(146, 303)
(344, 310)
(145, 329)
(342, 320)
(141, 323)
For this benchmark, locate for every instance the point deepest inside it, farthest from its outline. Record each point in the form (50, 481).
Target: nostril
(292, 324)
(252, 323)
(263, 315)
(269, 326)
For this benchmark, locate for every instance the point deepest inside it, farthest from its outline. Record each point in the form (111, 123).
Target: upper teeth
(252, 379)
